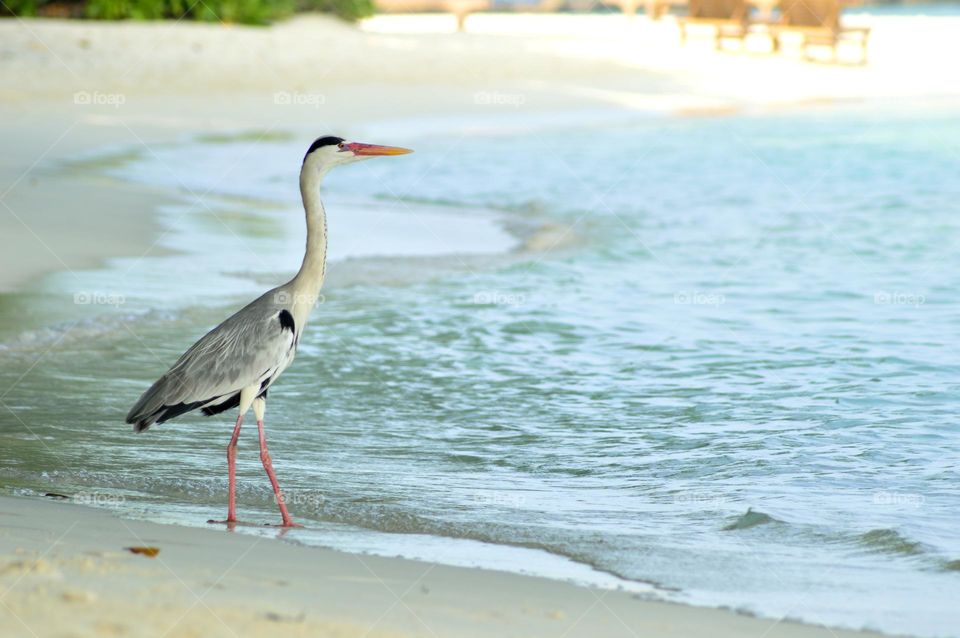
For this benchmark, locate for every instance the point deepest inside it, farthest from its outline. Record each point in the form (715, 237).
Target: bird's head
(330, 151)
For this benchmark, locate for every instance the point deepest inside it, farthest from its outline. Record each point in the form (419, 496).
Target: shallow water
(717, 355)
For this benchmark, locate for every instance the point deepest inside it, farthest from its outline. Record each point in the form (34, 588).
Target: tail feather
(165, 413)
(151, 407)
(154, 406)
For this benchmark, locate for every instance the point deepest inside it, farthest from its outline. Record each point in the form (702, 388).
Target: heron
(234, 365)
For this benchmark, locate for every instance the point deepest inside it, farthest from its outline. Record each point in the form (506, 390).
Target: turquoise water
(908, 9)
(715, 355)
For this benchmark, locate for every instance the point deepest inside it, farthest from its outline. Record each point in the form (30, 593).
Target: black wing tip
(232, 402)
(143, 421)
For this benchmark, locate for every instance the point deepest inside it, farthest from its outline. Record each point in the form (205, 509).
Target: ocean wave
(951, 565)
(890, 541)
(64, 333)
(750, 519)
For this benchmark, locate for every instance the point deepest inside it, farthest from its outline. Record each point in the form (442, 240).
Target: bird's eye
(340, 146)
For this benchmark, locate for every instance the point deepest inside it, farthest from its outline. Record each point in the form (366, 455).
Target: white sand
(64, 572)
(69, 87)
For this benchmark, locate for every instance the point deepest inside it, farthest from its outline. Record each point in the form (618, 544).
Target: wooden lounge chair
(459, 8)
(462, 8)
(654, 9)
(817, 22)
(730, 19)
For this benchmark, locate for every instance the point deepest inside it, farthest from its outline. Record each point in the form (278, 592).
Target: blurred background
(665, 299)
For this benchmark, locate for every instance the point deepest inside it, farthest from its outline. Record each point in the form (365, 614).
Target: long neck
(309, 279)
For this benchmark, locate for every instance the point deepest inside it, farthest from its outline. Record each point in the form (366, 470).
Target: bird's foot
(287, 524)
(230, 522)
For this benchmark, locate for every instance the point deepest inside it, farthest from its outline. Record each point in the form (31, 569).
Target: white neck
(309, 279)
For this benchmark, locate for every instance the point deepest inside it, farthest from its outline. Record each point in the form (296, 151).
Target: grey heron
(234, 365)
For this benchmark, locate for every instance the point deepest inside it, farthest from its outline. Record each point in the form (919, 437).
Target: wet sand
(64, 570)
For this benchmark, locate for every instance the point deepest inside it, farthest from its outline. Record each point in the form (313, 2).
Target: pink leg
(268, 466)
(232, 475)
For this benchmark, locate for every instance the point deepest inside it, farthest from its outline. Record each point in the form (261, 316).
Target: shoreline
(64, 565)
(70, 90)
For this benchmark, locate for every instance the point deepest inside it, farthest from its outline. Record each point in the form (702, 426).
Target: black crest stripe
(329, 140)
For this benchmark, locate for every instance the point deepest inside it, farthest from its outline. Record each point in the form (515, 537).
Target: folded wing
(251, 347)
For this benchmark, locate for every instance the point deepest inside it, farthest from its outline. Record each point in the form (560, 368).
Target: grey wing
(251, 347)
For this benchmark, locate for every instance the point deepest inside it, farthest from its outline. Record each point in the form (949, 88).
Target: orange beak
(373, 149)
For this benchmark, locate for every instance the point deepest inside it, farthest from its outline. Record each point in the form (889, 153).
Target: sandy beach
(74, 90)
(65, 571)
(75, 87)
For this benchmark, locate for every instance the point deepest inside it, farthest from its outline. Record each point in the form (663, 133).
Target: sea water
(709, 359)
